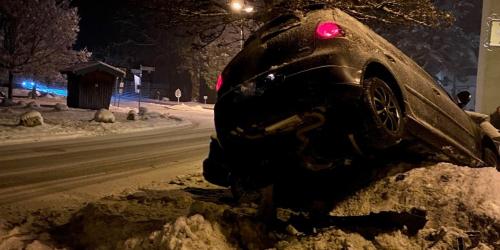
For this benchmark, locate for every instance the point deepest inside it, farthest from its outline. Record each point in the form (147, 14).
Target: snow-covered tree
(449, 53)
(209, 29)
(36, 38)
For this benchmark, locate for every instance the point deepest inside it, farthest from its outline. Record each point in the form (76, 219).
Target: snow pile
(439, 206)
(31, 119)
(470, 195)
(143, 111)
(61, 107)
(185, 233)
(434, 206)
(132, 115)
(19, 238)
(104, 115)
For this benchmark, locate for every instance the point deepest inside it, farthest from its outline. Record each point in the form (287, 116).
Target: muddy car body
(316, 89)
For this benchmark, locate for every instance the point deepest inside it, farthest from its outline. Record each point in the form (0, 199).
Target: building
(488, 77)
(91, 85)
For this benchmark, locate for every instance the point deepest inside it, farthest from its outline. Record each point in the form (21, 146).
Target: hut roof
(84, 68)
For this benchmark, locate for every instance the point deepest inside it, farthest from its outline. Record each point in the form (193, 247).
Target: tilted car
(315, 90)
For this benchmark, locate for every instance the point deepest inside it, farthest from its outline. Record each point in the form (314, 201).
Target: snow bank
(185, 107)
(185, 233)
(459, 207)
(74, 123)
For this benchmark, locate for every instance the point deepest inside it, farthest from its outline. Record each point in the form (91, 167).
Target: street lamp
(238, 6)
(248, 9)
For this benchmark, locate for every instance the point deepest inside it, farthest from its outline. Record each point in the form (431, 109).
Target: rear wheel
(491, 158)
(384, 123)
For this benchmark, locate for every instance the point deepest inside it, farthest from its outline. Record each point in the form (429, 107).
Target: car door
(452, 120)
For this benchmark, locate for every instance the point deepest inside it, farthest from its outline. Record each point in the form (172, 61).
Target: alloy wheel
(386, 108)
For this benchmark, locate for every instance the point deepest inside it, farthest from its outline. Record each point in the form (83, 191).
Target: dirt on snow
(434, 206)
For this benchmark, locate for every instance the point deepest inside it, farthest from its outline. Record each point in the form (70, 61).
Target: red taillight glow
(219, 83)
(328, 30)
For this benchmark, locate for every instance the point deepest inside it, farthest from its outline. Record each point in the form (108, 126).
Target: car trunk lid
(276, 43)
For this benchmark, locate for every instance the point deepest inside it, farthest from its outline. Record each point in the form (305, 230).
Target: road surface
(34, 175)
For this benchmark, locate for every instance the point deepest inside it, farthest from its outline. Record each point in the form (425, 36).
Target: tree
(209, 18)
(449, 53)
(209, 29)
(36, 38)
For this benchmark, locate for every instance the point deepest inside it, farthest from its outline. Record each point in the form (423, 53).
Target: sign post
(205, 98)
(178, 94)
(120, 92)
(139, 91)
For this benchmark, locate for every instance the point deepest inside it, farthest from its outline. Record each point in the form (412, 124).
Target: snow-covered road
(71, 172)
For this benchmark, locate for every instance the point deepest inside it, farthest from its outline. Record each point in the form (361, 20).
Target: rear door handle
(436, 91)
(390, 58)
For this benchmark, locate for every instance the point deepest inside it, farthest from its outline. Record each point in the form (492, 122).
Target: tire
(491, 158)
(383, 121)
(237, 189)
(215, 170)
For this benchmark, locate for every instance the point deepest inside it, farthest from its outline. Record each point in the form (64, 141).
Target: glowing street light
(239, 5)
(236, 5)
(248, 9)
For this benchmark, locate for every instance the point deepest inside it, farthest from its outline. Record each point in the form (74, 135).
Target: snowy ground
(435, 206)
(401, 206)
(78, 122)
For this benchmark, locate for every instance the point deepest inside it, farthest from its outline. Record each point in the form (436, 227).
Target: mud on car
(315, 90)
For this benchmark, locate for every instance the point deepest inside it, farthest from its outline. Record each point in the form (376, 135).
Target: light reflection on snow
(41, 87)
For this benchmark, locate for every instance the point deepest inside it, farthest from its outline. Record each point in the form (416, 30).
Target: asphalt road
(90, 167)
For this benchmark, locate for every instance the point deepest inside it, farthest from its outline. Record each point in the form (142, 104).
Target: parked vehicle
(318, 89)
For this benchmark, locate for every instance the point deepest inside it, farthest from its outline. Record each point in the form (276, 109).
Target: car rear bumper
(331, 91)
(262, 101)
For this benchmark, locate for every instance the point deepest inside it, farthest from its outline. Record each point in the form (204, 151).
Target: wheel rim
(386, 108)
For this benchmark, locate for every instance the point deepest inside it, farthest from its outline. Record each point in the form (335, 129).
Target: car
(318, 89)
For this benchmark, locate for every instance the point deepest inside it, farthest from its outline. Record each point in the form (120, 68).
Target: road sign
(178, 94)
(146, 68)
(136, 72)
(205, 98)
(137, 83)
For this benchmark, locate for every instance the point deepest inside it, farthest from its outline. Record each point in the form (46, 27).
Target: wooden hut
(91, 85)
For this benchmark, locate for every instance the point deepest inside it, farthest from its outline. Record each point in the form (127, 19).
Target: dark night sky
(96, 24)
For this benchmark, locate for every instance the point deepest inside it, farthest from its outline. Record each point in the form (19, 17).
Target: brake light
(219, 83)
(328, 30)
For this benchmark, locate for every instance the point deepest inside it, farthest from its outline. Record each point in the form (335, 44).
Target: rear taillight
(328, 30)
(219, 83)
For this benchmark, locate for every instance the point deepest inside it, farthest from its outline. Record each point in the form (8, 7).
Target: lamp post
(239, 6)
